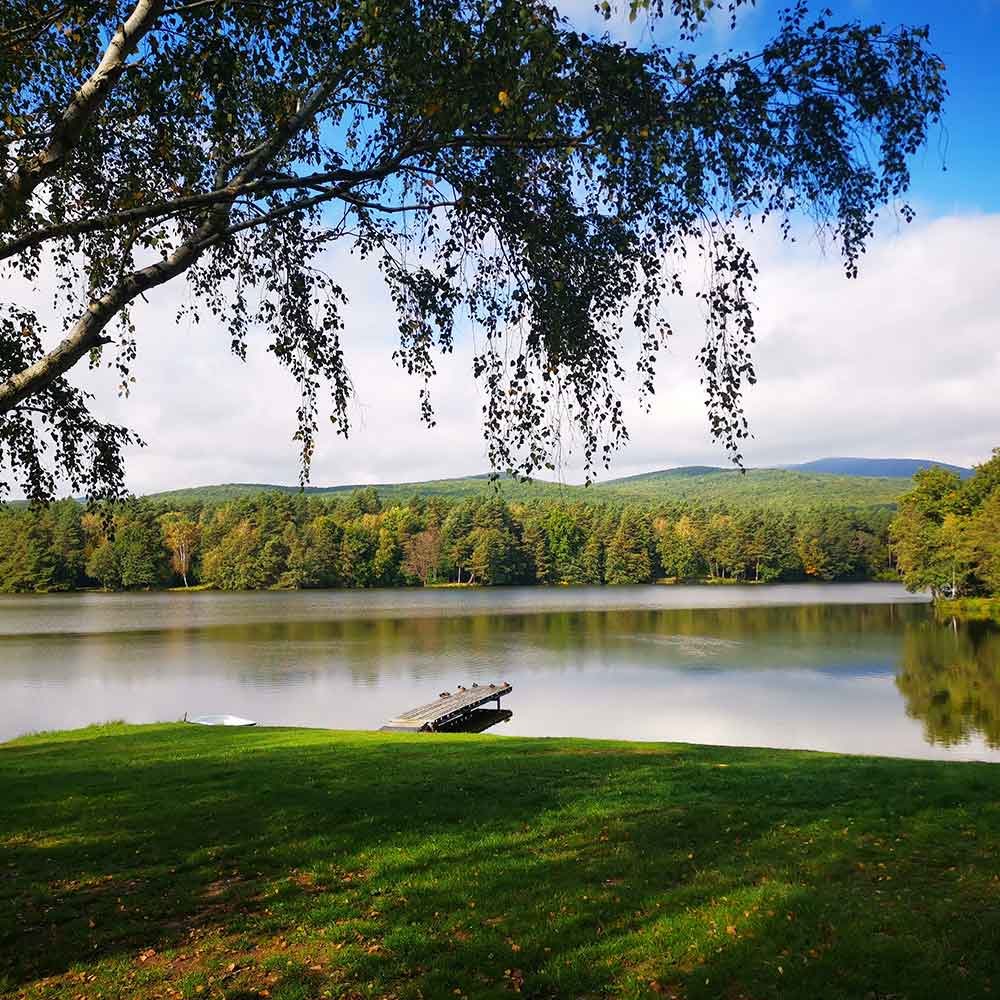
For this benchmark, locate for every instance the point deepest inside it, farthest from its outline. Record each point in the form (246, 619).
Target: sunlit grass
(169, 861)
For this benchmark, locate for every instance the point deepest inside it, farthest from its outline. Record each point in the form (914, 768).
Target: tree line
(283, 541)
(947, 534)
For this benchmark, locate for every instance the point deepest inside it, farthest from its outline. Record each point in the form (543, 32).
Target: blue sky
(966, 34)
(903, 362)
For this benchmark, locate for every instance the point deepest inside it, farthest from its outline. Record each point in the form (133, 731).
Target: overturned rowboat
(447, 709)
(220, 720)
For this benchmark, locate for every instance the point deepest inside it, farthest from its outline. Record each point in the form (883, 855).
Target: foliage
(754, 488)
(423, 554)
(628, 557)
(42, 550)
(160, 860)
(488, 159)
(294, 541)
(947, 534)
(180, 534)
(950, 681)
(970, 608)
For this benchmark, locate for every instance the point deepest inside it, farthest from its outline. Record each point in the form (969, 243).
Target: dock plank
(447, 707)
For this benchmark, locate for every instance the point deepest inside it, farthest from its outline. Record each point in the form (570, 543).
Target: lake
(858, 668)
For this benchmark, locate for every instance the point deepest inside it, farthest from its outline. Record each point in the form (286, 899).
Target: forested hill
(770, 487)
(765, 526)
(903, 468)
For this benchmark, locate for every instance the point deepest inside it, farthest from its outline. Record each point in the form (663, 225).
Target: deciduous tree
(180, 534)
(423, 554)
(489, 159)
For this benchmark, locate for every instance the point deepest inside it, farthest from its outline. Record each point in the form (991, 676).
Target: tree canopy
(491, 161)
(291, 541)
(947, 533)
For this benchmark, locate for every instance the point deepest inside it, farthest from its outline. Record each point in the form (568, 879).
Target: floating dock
(448, 709)
(478, 720)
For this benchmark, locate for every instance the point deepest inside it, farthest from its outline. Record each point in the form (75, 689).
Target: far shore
(970, 608)
(707, 581)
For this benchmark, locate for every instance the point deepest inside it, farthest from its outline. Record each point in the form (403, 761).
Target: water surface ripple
(857, 668)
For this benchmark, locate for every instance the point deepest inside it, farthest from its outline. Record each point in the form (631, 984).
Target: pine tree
(628, 556)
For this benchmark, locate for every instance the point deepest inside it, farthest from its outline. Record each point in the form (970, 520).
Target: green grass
(172, 860)
(758, 487)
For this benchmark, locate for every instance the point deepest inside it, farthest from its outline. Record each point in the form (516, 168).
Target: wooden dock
(447, 709)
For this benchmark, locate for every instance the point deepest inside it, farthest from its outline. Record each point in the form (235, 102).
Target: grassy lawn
(169, 861)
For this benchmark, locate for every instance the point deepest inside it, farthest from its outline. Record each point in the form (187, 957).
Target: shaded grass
(167, 861)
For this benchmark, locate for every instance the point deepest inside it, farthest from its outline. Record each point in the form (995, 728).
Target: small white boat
(220, 720)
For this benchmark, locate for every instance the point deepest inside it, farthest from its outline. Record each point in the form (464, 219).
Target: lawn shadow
(432, 864)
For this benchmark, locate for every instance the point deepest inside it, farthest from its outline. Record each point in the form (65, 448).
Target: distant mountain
(464, 486)
(893, 468)
(787, 489)
(679, 472)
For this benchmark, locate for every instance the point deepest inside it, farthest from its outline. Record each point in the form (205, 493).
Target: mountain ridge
(798, 485)
(902, 468)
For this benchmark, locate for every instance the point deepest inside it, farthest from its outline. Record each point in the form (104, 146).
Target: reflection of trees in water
(950, 678)
(374, 644)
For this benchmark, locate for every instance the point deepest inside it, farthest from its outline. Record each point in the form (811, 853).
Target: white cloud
(905, 361)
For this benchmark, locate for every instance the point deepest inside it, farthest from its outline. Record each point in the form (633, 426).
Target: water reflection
(756, 668)
(950, 678)
(478, 720)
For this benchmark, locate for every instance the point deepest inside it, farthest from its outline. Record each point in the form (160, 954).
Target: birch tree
(181, 536)
(490, 160)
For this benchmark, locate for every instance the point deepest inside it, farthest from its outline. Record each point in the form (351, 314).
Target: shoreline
(969, 608)
(118, 726)
(662, 583)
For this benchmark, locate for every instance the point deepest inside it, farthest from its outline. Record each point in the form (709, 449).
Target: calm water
(855, 668)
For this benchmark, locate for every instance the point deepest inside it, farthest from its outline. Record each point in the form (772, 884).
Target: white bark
(87, 332)
(17, 190)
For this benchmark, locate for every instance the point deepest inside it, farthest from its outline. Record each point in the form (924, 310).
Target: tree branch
(236, 188)
(165, 209)
(17, 190)
(88, 331)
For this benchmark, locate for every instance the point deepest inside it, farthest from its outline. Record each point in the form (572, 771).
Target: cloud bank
(904, 361)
